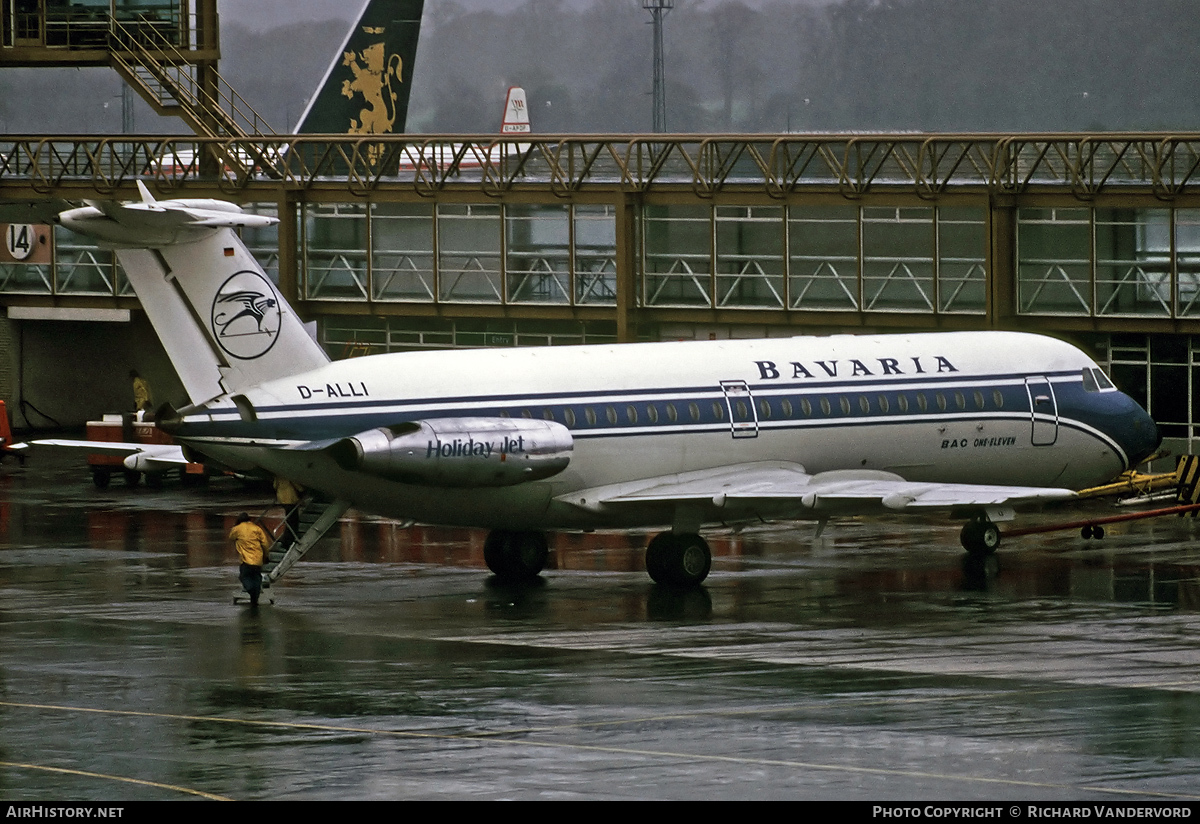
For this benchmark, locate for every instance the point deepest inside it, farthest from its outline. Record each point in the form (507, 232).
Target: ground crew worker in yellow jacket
(252, 544)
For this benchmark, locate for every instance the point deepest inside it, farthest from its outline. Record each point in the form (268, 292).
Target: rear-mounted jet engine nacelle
(459, 451)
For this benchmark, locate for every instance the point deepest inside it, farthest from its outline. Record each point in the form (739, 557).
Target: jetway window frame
(824, 244)
(81, 268)
(750, 257)
(594, 253)
(537, 253)
(891, 280)
(961, 243)
(335, 246)
(459, 253)
(828, 256)
(674, 275)
(1108, 261)
(403, 252)
(1185, 260)
(470, 262)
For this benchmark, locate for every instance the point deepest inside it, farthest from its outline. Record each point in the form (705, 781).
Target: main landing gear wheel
(678, 560)
(515, 556)
(980, 537)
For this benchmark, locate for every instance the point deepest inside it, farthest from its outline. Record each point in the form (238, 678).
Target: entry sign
(25, 243)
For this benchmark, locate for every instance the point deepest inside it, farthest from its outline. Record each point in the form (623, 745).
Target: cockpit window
(1094, 380)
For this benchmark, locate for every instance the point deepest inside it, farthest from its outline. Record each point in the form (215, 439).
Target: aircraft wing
(779, 482)
(144, 457)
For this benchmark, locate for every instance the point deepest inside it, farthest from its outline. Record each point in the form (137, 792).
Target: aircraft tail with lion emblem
(365, 90)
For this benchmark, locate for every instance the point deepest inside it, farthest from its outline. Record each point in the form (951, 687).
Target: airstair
(305, 524)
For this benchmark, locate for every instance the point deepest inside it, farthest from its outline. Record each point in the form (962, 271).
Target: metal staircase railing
(154, 66)
(313, 519)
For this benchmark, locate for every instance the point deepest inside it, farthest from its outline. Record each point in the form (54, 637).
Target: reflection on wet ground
(864, 664)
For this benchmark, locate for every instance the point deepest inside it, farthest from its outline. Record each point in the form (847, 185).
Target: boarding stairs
(313, 518)
(147, 59)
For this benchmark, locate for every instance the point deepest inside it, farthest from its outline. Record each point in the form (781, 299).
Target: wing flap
(779, 482)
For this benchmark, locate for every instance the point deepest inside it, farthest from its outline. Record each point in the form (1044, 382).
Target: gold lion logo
(375, 72)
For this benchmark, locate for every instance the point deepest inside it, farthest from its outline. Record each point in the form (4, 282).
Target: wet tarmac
(864, 664)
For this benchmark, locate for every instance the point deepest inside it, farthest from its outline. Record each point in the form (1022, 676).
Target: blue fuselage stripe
(769, 406)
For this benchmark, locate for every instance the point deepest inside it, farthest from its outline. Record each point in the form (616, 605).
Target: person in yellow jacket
(287, 494)
(143, 400)
(252, 544)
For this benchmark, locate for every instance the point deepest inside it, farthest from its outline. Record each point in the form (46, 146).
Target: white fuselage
(968, 407)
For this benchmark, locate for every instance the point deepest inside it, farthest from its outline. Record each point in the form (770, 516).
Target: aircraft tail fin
(222, 322)
(366, 88)
(516, 112)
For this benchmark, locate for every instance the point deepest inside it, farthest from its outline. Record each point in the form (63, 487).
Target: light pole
(658, 10)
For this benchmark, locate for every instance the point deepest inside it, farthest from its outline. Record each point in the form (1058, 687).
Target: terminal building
(391, 242)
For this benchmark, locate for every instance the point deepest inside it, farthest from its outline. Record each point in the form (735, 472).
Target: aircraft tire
(678, 560)
(132, 477)
(980, 537)
(101, 477)
(515, 556)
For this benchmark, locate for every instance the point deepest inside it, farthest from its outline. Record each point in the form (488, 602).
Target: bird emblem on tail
(246, 315)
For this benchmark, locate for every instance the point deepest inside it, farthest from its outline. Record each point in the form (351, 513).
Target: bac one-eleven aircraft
(681, 434)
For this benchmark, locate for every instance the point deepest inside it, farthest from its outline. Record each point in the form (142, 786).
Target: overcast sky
(264, 14)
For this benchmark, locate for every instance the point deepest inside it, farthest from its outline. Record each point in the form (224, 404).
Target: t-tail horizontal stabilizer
(223, 323)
